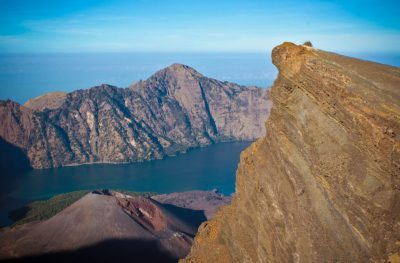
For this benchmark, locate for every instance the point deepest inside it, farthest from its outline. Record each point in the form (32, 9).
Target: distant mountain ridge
(175, 109)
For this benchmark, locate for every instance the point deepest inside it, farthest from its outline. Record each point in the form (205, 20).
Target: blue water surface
(204, 169)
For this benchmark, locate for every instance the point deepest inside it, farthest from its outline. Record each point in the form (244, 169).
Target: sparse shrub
(308, 44)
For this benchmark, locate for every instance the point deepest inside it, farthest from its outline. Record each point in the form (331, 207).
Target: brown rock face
(324, 184)
(174, 110)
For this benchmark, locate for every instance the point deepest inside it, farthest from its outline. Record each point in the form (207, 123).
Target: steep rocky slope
(174, 110)
(207, 201)
(108, 226)
(324, 184)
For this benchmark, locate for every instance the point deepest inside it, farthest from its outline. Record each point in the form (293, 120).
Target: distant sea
(25, 76)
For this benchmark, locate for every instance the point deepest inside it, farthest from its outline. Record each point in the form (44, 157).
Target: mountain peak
(179, 71)
(175, 72)
(178, 67)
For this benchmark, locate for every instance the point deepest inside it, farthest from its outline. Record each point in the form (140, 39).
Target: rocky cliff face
(324, 184)
(174, 110)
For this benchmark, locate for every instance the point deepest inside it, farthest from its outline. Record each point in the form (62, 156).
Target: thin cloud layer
(201, 26)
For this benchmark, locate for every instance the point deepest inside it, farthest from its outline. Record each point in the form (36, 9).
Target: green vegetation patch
(133, 193)
(44, 209)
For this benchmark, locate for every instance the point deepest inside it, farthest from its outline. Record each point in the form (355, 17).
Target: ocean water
(203, 168)
(383, 58)
(25, 76)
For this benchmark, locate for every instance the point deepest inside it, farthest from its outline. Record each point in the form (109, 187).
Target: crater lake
(199, 169)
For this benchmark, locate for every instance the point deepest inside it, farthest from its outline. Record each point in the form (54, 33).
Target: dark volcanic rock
(174, 110)
(323, 185)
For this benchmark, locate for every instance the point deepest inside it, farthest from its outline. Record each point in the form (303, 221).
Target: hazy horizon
(26, 76)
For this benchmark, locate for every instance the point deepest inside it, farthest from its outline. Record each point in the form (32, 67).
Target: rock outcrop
(174, 110)
(324, 183)
(51, 100)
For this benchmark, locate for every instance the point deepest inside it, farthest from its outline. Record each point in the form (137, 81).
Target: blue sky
(196, 26)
